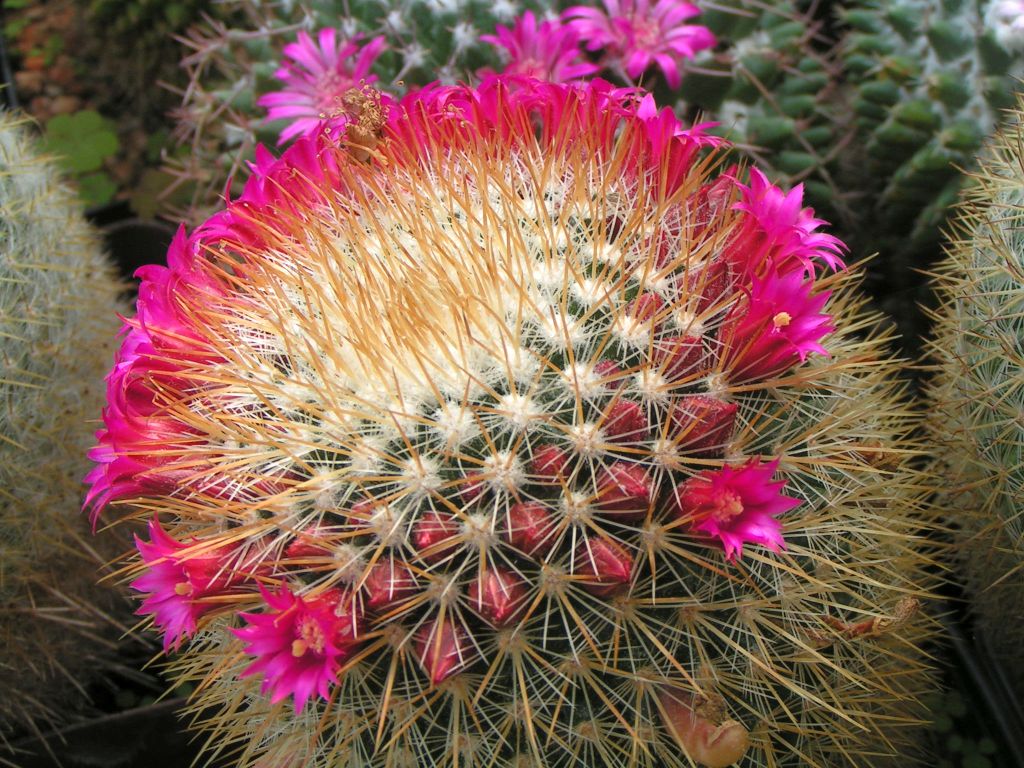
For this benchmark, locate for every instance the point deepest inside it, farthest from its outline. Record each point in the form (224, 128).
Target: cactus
(501, 433)
(230, 68)
(57, 301)
(929, 80)
(978, 393)
(772, 84)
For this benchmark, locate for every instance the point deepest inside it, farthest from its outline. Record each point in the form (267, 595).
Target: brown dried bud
(706, 738)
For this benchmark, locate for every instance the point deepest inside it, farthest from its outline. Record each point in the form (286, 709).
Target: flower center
(330, 91)
(183, 588)
(311, 637)
(647, 34)
(782, 319)
(728, 506)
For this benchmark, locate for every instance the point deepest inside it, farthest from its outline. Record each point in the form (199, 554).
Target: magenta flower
(548, 51)
(779, 232)
(774, 327)
(736, 505)
(636, 34)
(301, 643)
(316, 77)
(177, 581)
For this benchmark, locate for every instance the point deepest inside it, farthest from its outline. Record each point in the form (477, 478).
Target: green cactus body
(58, 295)
(928, 82)
(978, 395)
(772, 84)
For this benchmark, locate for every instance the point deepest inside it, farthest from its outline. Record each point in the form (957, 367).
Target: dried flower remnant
(317, 78)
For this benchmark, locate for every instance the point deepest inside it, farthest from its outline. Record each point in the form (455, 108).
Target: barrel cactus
(978, 393)
(929, 81)
(499, 431)
(57, 301)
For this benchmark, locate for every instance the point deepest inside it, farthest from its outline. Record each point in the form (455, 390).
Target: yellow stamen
(782, 319)
(183, 588)
(298, 648)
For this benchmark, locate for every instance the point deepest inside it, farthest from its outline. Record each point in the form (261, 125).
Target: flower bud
(443, 649)
(498, 596)
(603, 566)
(388, 584)
(435, 536)
(646, 308)
(548, 464)
(610, 372)
(624, 490)
(702, 425)
(530, 528)
(678, 357)
(625, 421)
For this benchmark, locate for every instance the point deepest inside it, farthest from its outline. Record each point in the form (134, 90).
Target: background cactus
(502, 434)
(978, 393)
(231, 65)
(928, 82)
(57, 300)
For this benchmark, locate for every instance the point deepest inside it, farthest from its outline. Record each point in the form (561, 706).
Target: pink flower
(549, 51)
(736, 505)
(300, 643)
(637, 34)
(779, 232)
(316, 78)
(774, 327)
(177, 580)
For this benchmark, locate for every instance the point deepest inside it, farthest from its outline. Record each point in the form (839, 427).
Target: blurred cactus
(58, 296)
(510, 436)
(978, 393)
(772, 83)
(231, 65)
(928, 81)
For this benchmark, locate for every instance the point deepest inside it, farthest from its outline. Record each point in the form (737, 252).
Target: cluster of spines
(56, 294)
(977, 396)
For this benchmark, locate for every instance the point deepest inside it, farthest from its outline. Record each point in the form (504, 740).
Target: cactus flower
(737, 506)
(547, 51)
(316, 76)
(638, 34)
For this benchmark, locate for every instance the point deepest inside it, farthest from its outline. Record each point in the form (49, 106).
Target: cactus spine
(57, 296)
(978, 393)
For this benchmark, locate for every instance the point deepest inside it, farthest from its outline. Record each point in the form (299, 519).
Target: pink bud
(498, 595)
(472, 486)
(624, 490)
(435, 536)
(679, 357)
(703, 425)
(709, 282)
(389, 583)
(547, 466)
(309, 543)
(443, 649)
(604, 566)
(350, 618)
(610, 372)
(646, 307)
(530, 528)
(625, 421)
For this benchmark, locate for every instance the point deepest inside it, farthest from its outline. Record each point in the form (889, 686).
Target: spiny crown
(462, 423)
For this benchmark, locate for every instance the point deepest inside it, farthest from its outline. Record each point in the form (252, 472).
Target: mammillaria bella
(504, 432)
